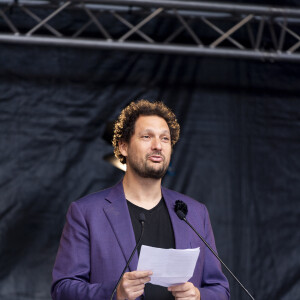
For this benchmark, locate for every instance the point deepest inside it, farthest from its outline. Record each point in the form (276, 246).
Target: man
(102, 228)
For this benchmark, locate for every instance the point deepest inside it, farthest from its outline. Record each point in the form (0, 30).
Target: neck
(143, 192)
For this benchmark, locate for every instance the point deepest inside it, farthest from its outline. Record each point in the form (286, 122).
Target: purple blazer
(98, 238)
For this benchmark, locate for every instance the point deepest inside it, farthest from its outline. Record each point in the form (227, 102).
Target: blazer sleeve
(214, 285)
(72, 266)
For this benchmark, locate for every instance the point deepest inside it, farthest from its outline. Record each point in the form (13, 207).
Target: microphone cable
(142, 219)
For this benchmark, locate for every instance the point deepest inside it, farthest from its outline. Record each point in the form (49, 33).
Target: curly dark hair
(124, 126)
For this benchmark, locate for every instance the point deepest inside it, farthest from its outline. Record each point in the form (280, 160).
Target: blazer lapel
(119, 218)
(181, 230)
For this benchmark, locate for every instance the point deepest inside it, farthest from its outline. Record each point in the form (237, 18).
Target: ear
(123, 146)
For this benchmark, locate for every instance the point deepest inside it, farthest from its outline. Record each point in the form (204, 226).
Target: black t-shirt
(158, 233)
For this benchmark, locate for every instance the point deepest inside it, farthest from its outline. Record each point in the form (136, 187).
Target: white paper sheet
(169, 266)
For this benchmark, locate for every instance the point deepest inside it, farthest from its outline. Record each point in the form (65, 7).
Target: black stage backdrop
(238, 153)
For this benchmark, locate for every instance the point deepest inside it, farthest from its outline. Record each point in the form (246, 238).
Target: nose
(156, 144)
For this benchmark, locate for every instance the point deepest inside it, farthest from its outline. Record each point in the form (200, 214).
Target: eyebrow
(150, 130)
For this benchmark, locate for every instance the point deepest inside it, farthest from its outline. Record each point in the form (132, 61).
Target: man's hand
(185, 291)
(132, 285)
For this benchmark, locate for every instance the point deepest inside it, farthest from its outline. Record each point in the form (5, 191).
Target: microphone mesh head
(181, 206)
(142, 217)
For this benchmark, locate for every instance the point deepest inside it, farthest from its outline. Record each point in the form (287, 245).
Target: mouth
(156, 158)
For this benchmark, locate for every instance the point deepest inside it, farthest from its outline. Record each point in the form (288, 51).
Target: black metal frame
(201, 28)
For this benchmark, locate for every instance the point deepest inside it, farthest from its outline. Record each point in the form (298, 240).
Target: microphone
(142, 219)
(181, 211)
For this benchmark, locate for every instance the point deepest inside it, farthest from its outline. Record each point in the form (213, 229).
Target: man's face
(149, 150)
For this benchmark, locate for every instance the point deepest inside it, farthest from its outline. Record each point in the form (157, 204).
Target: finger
(187, 294)
(181, 287)
(138, 274)
(130, 285)
(134, 295)
(129, 291)
(191, 293)
(178, 288)
(134, 289)
(135, 282)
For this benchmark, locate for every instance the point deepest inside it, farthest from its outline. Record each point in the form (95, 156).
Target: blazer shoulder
(191, 202)
(98, 198)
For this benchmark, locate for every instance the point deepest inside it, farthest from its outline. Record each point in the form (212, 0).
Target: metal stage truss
(175, 27)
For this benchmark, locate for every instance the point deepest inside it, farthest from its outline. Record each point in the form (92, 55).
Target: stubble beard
(145, 170)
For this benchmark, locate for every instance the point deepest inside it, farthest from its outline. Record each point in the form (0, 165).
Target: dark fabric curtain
(238, 153)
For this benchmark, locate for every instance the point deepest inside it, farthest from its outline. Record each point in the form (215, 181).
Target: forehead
(151, 123)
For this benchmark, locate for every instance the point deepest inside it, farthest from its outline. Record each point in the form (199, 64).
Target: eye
(166, 139)
(145, 136)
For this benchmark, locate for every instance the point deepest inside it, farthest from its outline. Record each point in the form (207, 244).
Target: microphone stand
(142, 220)
(181, 216)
